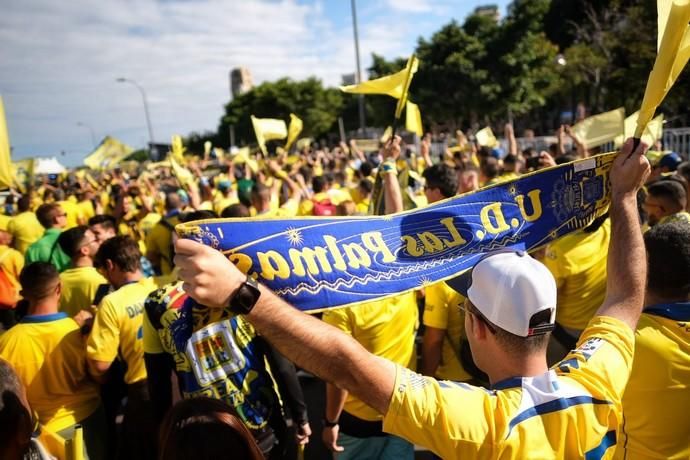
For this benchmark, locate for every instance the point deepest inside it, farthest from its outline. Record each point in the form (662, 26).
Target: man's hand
(630, 170)
(392, 149)
(84, 318)
(209, 277)
(303, 433)
(329, 436)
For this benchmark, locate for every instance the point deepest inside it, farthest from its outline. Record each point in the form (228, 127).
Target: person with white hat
(570, 411)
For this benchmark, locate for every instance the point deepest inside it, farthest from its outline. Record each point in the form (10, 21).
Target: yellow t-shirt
(385, 328)
(79, 286)
(12, 263)
(578, 263)
(442, 311)
(288, 209)
(158, 241)
(47, 351)
(86, 209)
(73, 211)
(656, 403)
(25, 230)
(4, 221)
(570, 411)
(117, 328)
(221, 202)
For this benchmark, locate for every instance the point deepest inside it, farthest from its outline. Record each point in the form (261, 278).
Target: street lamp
(93, 136)
(146, 106)
(362, 121)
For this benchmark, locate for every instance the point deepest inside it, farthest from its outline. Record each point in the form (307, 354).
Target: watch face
(246, 297)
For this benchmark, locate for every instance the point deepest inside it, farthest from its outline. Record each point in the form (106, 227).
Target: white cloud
(410, 6)
(60, 60)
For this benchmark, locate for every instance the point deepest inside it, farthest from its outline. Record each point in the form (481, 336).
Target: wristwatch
(328, 424)
(246, 296)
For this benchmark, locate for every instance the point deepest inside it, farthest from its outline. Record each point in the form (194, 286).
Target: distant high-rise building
(489, 11)
(240, 81)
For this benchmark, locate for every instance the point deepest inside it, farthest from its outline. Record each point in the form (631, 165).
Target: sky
(59, 60)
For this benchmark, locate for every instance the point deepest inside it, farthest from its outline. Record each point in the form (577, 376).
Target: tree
(317, 106)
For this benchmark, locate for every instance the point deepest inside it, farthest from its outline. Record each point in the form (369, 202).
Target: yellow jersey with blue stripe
(118, 328)
(656, 403)
(571, 411)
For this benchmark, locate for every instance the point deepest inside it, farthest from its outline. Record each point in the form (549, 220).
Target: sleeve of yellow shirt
(553, 259)
(338, 319)
(104, 340)
(435, 307)
(454, 420)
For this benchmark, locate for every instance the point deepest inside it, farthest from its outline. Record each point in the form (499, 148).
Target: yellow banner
(109, 153)
(600, 129)
(410, 70)
(294, 129)
(267, 129)
(485, 138)
(5, 163)
(652, 133)
(673, 51)
(413, 119)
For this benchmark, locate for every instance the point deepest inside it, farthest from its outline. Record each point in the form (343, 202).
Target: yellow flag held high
(267, 129)
(304, 142)
(387, 133)
(673, 51)
(485, 138)
(108, 154)
(208, 145)
(652, 133)
(390, 85)
(413, 119)
(293, 130)
(177, 149)
(410, 70)
(242, 157)
(5, 163)
(600, 129)
(184, 175)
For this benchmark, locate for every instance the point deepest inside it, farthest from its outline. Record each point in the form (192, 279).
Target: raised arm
(211, 279)
(627, 262)
(389, 172)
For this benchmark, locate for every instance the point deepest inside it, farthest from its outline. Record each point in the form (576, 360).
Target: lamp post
(146, 106)
(93, 136)
(362, 121)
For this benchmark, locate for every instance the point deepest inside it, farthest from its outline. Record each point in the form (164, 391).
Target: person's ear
(109, 265)
(58, 288)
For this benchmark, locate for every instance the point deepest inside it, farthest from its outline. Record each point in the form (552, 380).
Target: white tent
(48, 166)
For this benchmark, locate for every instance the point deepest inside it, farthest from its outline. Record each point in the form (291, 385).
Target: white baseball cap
(508, 288)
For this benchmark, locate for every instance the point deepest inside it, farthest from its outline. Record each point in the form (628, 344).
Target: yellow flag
(267, 129)
(220, 153)
(293, 130)
(600, 129)
(673, 51)
(242, 156)
(391, 85)
(652, 132)
(177, 149)
(207, 148)
(485, 138)
(184, 175)
(23, 173)
(5, 163)
(410, 69)
(413, 119)
(304, 142)
(109, 153)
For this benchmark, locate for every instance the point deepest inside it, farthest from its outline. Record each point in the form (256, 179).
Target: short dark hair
(122, 250)
(37, 280)
(198, 215)
(47, 212)
(104, 220)
(668, 260)
(515, 343)
(235, 210)
(318, 184)
(442, 177)
(261, 191)
(70, 241)
(366, 185)
(366, 168)
(24, 203)
(669, 189)
(489, 167)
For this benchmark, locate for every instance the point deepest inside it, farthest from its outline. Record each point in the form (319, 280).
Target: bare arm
(509, 134)
(391, 187)
(627, 262)
(335, 401)
(210, 278)
(432, 347)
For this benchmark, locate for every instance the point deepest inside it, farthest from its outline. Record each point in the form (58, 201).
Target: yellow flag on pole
(184, 175)
(294, 129)
(413, 119)
(652, 132)
(673, 51)
(267, 129)
(410, 70)
(5, 163)
(391, 85)
(177, 149)
(109, 153)
(601, 128)
(485, 138)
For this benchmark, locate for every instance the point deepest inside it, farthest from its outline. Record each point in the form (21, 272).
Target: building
(240, 81)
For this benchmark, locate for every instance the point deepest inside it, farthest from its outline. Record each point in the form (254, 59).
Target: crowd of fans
(98, 332)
